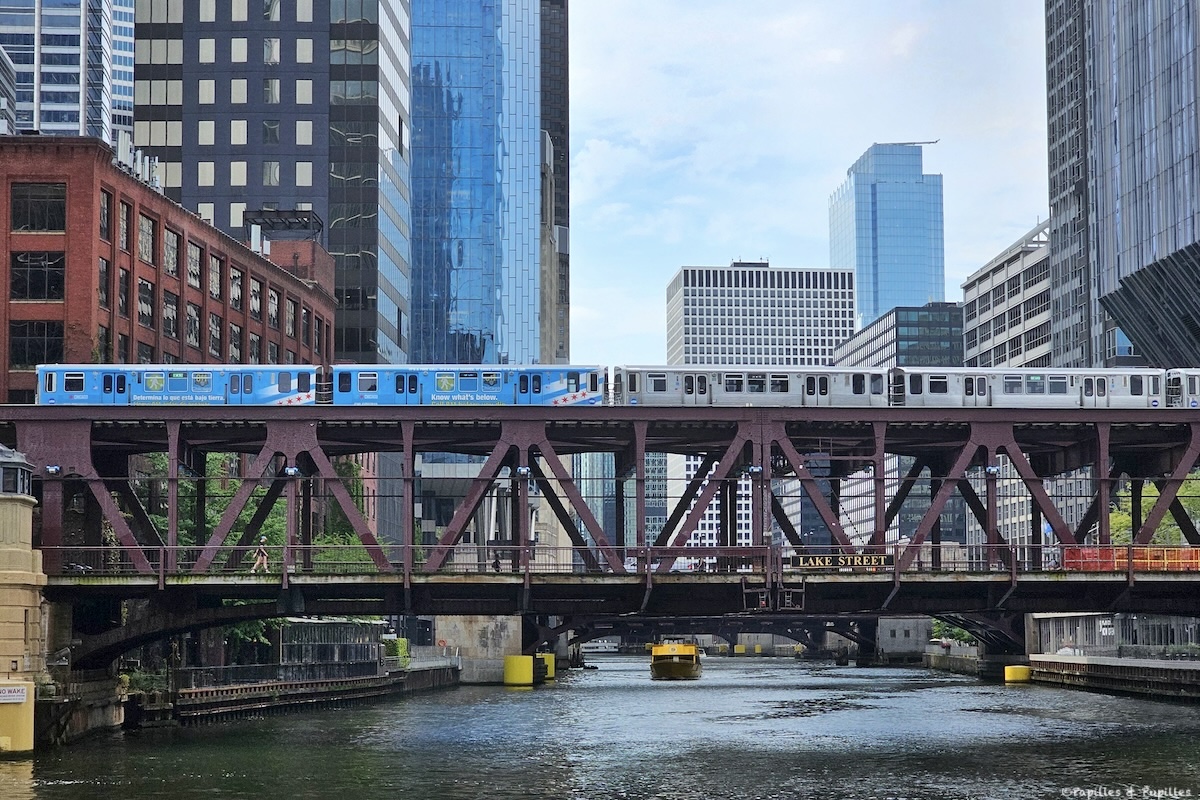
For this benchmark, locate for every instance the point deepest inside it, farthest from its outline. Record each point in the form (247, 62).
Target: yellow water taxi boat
(674, 661)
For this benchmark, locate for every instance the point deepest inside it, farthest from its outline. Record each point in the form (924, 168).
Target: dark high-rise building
(266, 105)
(556, 121)
(1123, 106)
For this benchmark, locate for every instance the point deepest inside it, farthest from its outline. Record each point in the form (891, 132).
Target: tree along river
(749, 728)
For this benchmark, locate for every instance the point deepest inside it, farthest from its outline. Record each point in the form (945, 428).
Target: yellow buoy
(518, 670)
(549, 659)
(1016, 673)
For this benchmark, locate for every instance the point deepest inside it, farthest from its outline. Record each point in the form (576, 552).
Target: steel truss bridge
(101, 544)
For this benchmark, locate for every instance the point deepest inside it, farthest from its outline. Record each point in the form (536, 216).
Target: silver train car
(935, 387)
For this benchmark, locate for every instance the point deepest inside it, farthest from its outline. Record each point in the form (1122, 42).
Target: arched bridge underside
(104, 534)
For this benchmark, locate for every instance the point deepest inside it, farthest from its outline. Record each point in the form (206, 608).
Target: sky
(711, 131)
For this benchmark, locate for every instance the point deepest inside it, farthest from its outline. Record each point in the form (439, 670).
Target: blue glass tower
(476, 181)
(885, 222)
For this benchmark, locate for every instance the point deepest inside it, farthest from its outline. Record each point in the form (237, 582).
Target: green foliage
(944, 630)
(139, 681)
(1120, 519)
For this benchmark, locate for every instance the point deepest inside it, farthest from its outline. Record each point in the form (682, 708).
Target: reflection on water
(750, 728)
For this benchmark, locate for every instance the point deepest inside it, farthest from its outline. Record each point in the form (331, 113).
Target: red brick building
(99, 267)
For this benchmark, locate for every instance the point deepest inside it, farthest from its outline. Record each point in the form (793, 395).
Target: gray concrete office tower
(74, 65)
(885, 223)
(292, 106)
(1123, 106)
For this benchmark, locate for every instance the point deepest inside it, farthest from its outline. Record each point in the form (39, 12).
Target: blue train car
(468, 385)
(176, 384)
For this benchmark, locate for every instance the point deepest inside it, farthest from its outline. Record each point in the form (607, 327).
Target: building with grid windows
(98, 266)
(753, 313)
(301, 105)
(74, 65)
(885, 223)
(8, 95)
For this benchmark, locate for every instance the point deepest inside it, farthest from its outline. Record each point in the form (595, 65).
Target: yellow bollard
(1016, 673)
(739, 649)
(16, 716)
(518, 670)
(758, 649)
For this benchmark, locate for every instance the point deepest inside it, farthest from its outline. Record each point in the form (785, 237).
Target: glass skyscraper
(476, 181)
(74, 65)
(1123, 108)
(885, 223)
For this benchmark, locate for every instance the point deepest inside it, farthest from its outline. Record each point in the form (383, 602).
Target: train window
(107, 384)
(1191, 384)
(593, 382)
(858, 383)
(412, 384)
(304, 382)
(1154, 387)
(969, 387)
(756, 383)
(1088, 387)
(1035, 384)
(701, 384)
(201, 381)
(1101, 387)
(981, 387)
(939, 384)
(914, 384)
(344, 381)
(468, 381)
(1012, 384)
(247, 384)
(572, 381)
(491, 381)
(284, 382)
(689, 384)
(368, 381)
(121, 384)
(657, 381)
(633, 382)
(523, 384)
(537, 384)
(235, 386)
(399, 383)
(177, 381)
(1058, 384)
(823, 385)
(779, 384)
(733, 383)
(876, 384)
(48, 383)
(1135, 385)
(72, 382)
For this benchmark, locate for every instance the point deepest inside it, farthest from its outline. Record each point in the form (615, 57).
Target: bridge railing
(115, 561)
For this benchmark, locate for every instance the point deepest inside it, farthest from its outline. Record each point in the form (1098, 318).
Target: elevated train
(562, 385)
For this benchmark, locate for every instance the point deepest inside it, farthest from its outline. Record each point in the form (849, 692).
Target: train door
(1093, 390)
(529, 388)
(975, 391)
(696, 389)
(239, 388)
(817, 390)
(114, 389)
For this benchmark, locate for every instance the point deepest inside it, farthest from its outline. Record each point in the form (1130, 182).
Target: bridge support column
(22, 632)
(482, 641)
(868, 630)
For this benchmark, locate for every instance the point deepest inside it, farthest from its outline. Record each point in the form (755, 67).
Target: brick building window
(214, 277)
(145, 353)
(254, 356)
(291, 319)
(273, 311)
(39, 206)
(170, 315)
(235, 343)
(106, 216)
(122, 349)
(214, 335)
(147, 231)
(235, 288)
(37, 276)
(193, 325)
(123, 293)
(193, 265)
(305, 326)
(170, 263)
(145, 303)
(34, 342)
(255, 299)
(272, 353)
(104, 344)
(124, 222)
